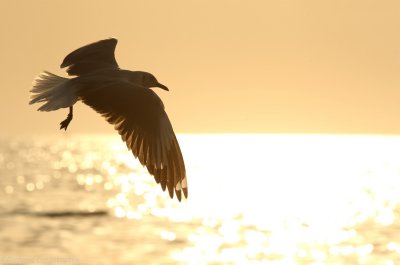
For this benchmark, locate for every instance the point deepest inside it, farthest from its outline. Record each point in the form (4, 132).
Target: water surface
(253, 199)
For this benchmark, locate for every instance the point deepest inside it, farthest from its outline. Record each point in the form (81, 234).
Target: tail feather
(56, 91)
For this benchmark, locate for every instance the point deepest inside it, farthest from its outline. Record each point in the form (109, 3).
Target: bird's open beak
(162, 86)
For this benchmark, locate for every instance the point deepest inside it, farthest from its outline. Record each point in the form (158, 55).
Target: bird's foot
(64, 124)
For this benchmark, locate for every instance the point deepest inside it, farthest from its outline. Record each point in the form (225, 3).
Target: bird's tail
(56, 91)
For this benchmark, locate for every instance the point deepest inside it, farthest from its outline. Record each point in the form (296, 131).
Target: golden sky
(232, 66)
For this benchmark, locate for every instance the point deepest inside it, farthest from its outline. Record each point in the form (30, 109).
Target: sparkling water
(253, 199)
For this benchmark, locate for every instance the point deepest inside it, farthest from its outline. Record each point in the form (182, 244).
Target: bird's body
(125, 99)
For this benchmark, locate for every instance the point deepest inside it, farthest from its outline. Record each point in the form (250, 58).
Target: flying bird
(125, 100)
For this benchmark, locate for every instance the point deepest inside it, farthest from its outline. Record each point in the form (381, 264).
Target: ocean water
(253, 199)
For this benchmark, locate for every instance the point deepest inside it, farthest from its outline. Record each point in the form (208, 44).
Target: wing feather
(138, 115)
(91, 57)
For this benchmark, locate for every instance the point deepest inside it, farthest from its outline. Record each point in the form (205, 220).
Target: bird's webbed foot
(64, 124)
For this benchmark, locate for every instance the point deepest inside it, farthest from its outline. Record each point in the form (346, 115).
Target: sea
(301, 199)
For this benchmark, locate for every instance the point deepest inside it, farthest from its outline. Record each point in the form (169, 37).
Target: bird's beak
(162, 86)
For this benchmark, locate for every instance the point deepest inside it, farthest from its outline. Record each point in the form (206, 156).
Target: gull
(125, 100)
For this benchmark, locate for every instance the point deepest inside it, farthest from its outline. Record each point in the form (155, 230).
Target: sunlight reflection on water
(268, 199)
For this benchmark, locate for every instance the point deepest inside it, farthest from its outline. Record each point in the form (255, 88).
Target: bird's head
(145, 79)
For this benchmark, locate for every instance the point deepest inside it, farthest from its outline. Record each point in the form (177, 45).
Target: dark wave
(62, 214)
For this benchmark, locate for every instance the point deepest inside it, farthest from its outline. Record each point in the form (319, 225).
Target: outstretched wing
(92, 57)
(138, 115)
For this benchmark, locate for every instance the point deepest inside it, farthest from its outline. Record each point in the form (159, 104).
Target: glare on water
(253, 199)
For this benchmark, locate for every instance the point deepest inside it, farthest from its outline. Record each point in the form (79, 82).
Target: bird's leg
(64, 124)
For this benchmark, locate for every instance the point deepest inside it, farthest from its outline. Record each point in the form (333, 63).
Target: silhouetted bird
(123, 97)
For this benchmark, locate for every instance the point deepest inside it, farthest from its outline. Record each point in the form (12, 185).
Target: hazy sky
(231, 66)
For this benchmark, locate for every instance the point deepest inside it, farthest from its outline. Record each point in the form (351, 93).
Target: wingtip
(185, 192)
(178, 195)
(171, 193)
